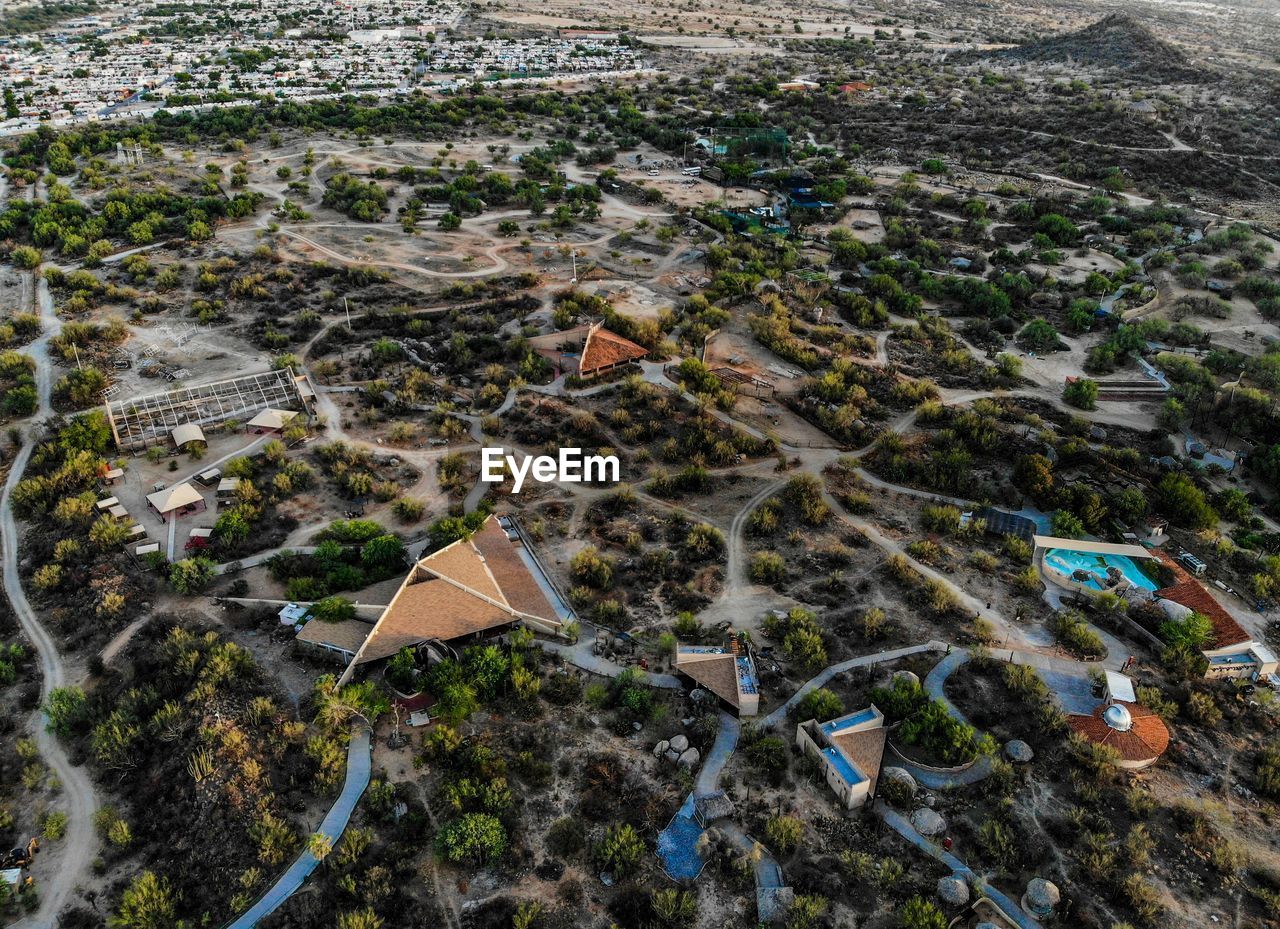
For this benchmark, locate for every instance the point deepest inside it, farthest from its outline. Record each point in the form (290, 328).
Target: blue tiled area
(847, 771)
(678, 845)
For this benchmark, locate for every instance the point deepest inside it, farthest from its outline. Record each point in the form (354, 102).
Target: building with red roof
(1135, 732)
(588, 350)
(1231, 651)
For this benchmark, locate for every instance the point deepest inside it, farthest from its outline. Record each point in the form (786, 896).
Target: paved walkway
(900, 824)
(935, 682)
(862, 661)
(359, 764)
(708, 781)
(580, 655)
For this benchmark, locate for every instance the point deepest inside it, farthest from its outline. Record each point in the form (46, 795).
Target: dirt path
(75, 852)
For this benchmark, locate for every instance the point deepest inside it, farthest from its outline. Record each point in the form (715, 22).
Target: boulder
(909, 676)
(927, 822)
(661, 748)
(689, 758)
(672, 755)
(679, 743)
(1018, 751)
(901, 776)
(953, 891)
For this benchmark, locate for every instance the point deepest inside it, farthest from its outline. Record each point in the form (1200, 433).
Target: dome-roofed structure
(1117, 717)
(1041, 897)
(1135, 732)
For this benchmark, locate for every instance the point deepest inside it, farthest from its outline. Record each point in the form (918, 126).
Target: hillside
(1117, 42)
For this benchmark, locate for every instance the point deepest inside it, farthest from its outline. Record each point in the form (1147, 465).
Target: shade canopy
(187, 432)
(174, 498)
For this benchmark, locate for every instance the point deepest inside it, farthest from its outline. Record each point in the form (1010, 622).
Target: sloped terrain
(1117, 42)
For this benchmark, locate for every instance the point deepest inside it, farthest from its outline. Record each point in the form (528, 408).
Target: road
(78, 848)
(359, 766)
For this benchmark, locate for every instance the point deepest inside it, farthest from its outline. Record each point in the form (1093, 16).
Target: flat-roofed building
(849, 751)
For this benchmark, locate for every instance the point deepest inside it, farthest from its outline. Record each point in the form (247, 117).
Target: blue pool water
(1068, 561)
(846, 770)
(837, 725)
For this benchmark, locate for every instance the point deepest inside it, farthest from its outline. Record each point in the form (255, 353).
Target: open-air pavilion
(185, 434)
(270, 420)
(178, 500)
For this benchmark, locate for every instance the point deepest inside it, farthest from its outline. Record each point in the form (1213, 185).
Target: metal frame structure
(139, 423)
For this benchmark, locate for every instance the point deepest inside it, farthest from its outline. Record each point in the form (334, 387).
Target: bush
(819, 704)
(919, 913)
(620, 851)
(475, 837)
(191, 575)
(784, 833)
(767, 568)
(1071, 632)
(1081, 393)
(1203, 709)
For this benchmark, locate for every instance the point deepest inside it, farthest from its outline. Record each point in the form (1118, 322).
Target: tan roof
(1095, 548)
(346, 634)
(174, 498)
(272, 419)
(865, 748)
(455, 592)
(187, 432)
(718, 673)
(517, 584)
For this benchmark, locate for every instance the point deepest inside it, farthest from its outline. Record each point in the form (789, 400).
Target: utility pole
(574, 256)
(347, 306)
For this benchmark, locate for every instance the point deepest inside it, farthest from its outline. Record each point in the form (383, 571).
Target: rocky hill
(1117, 42)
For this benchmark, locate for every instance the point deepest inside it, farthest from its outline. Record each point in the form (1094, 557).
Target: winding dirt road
(74, 853)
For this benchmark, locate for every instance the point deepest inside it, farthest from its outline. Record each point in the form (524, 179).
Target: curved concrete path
(827, 674)
(903, 827)
(359, 766)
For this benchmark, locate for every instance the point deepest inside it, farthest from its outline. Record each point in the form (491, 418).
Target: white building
(849, 751)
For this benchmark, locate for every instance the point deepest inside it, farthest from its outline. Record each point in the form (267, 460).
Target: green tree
(1177, 496)
(820, 704)
(1081, 393)
(65, 709)
(1193, 632)
(191, 575)
(1067, 525)
(1038, 336)
(620, 851)
(919, 913)
(334, 609)
(475, 837)
(384, 553)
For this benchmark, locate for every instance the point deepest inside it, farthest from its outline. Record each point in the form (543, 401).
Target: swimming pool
(1068, 562)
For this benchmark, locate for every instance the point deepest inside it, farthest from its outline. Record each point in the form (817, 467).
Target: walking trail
(359, 766)
(78, 847)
